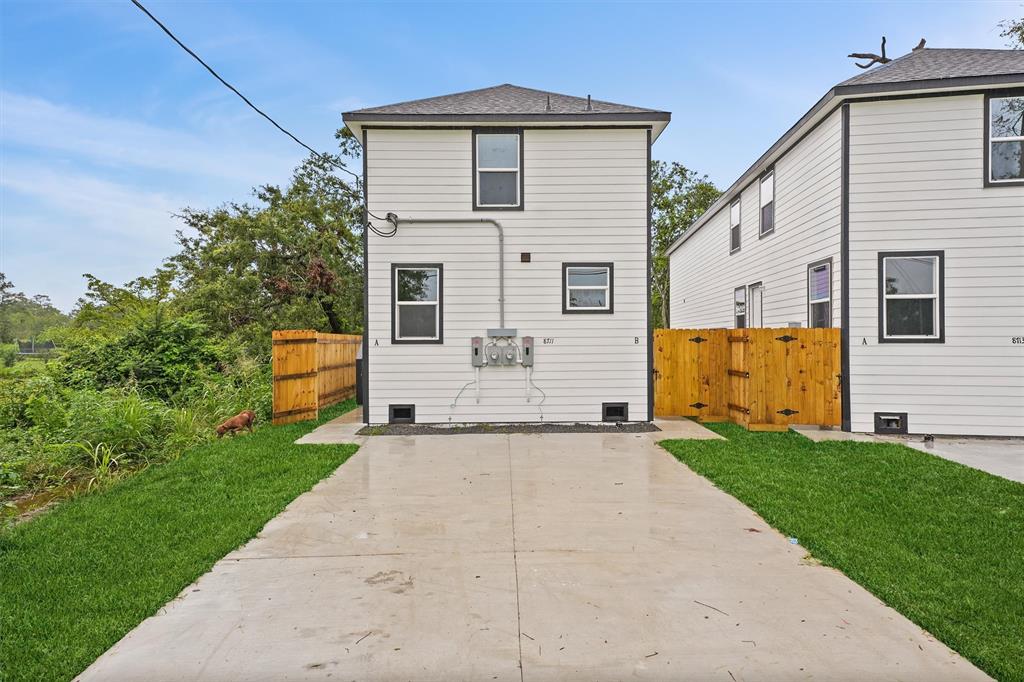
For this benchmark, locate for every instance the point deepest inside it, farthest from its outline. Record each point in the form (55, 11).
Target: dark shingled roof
(930, 64)
(504, 100)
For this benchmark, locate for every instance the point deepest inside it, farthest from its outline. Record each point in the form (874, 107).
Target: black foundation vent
(615, 412)
(401, 414)
(891, 422)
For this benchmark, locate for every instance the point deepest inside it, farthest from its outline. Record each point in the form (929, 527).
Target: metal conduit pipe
(396, 221)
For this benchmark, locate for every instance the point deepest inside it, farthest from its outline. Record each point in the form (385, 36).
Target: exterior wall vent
(401, 414)
(891, 422)
(615, 412)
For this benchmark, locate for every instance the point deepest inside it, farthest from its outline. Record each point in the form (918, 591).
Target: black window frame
(735, 316)
(395, 267)
(566, 310)
(477, 206)
(941, 303)
(761, 232)
(831, 292)
(738, 226)
(986, 171)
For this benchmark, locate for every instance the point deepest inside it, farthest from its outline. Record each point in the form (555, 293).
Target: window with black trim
(587, 287)
(819, 294)
(1005, 140)
(740, 307)
(498, 177)
(417, 300)
(910, 297)
(734, 226)
(767, 200)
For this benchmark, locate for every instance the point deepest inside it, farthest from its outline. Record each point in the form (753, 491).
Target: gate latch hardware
(698, 405)
(698, 339)
(788, 412)
(786, 338)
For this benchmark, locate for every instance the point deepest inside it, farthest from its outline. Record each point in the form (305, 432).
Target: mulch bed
(441, 430)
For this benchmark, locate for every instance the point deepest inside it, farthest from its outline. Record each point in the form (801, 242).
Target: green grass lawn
(77, 579)
(939, 542)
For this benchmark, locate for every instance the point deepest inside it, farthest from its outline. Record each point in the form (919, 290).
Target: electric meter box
(527, 351)
(477, 346)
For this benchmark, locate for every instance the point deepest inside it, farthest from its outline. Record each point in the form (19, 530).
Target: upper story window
(910, 305)
(740, 307)
(1005, 143)
(498, 176)
(416, 298)
(767, 203)
(587, 287)
(819, 294)
(734, 226)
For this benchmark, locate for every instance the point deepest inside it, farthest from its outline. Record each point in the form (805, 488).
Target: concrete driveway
(523, 557)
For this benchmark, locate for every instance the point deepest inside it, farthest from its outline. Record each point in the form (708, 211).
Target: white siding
(703, 274)
(916, 183)
(585, 200)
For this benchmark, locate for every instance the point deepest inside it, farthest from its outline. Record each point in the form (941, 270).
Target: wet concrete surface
(523, 557)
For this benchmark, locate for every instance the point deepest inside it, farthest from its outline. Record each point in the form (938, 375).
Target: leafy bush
(160, 357)
(8, 353)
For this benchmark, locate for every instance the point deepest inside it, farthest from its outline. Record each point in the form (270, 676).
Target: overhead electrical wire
(315, 153)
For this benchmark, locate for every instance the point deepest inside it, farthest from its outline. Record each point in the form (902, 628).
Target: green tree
(292, 259)
(25, 317)
(678, 197)
(1013, 29)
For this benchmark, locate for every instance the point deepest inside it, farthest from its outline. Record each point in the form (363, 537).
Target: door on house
(754, 305)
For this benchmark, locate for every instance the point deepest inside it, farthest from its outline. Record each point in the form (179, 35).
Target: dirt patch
(441, 430)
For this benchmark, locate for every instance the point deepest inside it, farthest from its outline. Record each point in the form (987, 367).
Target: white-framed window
(910, 297)
(819, 294)
(734, 226)
(498, 172)
(417, 300)
(587, 287)
(740, 307)
(1005, 140)
(767, 198)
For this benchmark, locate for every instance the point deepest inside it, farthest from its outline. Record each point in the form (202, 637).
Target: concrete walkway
(523, 557)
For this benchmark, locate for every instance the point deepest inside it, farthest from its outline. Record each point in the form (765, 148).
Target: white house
(893, 209)
(508, 264)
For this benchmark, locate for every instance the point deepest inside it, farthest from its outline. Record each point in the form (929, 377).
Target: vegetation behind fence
(312, 370)
(764, 379)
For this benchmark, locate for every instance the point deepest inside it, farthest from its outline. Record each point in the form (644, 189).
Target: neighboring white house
(913, 174)
(557, 329)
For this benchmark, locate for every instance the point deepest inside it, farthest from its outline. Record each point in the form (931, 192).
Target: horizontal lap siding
(585, 200)
(703, 274)
(916, 183)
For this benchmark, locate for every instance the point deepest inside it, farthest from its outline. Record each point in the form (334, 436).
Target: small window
(740, 307)
(819, 294)
(910, 297)
(498, 170)
(1005, 140)
(767, 203)
(734, 226)
(587, 287)
(417, 297)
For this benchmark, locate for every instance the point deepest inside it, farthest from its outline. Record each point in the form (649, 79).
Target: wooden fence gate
(764, 379)
(312, 370)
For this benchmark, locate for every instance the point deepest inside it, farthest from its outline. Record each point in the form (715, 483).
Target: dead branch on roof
(875, 59)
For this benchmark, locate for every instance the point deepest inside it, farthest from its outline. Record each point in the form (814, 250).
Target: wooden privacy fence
(311, 371)
(763, 379)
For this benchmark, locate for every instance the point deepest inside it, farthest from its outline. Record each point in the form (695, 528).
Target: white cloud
(37, 123)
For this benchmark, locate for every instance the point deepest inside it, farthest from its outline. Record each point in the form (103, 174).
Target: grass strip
(78, 578)
(940, 542)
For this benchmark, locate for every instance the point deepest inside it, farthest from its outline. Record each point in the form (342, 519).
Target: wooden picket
(764, 379)
(312, 370)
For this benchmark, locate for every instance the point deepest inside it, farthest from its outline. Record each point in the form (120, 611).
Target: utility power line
(262, 113)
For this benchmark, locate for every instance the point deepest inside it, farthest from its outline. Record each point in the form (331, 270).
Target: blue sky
(108, 128)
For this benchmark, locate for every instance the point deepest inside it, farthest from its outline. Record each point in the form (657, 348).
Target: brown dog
(242, 420)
